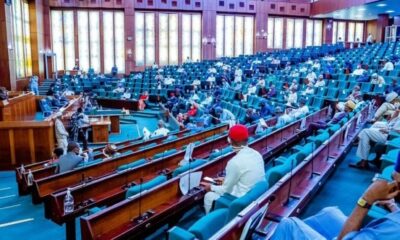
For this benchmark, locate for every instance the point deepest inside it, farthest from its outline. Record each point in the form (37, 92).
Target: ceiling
(365, 12)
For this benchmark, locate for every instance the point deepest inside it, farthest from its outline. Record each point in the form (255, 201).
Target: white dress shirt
(243, 171)
(160, 132)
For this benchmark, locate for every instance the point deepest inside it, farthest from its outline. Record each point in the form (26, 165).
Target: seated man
(114, 70)
(314, 126)
(110, 151)
(302, 110)
(283, 117)
(359, 71)
(224, 115)
(243, 171)
(73, 157)
(376, 79)
(265, 109)
(388, 65)
(250, 116)
(387, 107)
(331, 222)
(161, 130)
(378, 133)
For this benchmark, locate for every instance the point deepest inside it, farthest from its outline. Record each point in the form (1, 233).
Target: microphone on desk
(290, 182)
(139, 219)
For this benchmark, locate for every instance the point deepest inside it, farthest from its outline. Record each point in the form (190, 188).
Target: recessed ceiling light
(390, 11)
(361, 9)
(381, 5)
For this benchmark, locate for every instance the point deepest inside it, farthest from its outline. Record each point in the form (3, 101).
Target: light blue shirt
(387, 227)
(328, 223)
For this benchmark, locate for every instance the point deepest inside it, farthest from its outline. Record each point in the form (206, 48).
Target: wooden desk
(100, 129)
(19, 107)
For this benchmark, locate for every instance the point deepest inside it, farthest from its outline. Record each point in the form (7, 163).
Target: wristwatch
(363, 203)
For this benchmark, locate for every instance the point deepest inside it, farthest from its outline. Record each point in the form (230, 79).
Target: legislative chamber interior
(199, 119)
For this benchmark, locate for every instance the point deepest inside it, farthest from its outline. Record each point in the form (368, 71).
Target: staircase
(44, 87)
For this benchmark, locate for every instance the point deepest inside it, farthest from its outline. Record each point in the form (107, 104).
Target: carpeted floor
(343, 189)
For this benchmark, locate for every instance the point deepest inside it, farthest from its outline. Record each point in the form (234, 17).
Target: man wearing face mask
(243, 171)
(73, 157)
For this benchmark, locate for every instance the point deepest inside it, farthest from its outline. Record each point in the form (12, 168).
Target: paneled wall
(260, 10)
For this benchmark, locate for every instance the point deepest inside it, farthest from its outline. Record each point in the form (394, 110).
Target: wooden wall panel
(5, 158)
(25, 142)
(43, 148)
(21, 145)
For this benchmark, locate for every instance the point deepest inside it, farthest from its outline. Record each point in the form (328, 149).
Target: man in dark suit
(73, 157)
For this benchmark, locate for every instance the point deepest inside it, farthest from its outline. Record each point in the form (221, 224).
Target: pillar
(383, 22)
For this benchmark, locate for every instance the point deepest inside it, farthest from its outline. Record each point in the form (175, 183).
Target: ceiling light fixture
(390, 11)
(381, 5)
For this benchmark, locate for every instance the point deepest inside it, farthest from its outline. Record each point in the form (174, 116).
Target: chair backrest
(241, 203)
(165, 154)
(145, 186)
(132, 164)
(186, 167)
(274, 174)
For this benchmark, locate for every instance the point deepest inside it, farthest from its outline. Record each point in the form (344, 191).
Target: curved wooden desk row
(101, 190)
(165, 203)
(21, 106)
(23, 140)
(46, 168)
(57, 182)
(296, 189)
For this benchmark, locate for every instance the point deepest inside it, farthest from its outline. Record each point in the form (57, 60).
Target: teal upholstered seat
(194, 164)
(132, 164)
(208, 225)
(274, 174)
(165, 154)
(393, 144)
(145, 186)
(83, 164)
(148, 146)
(217, 154)
(389, 158)
(387, 173)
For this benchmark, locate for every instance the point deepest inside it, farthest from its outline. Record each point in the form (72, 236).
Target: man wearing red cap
(243, 171)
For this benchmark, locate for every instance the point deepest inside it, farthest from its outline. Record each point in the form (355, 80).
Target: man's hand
(381, 190)
(219, 180)
(206, 186)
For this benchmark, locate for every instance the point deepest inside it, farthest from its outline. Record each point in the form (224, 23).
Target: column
(7, 64)
(383, 22)
(261, 24)
(209, 21)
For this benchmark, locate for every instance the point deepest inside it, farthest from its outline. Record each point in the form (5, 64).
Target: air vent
(150, 2)
(251, 7)
(282, 9)
(221, 3)
(302, 10)
(187, 2)
(197, 4)
(174, 3)
(272, 6)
